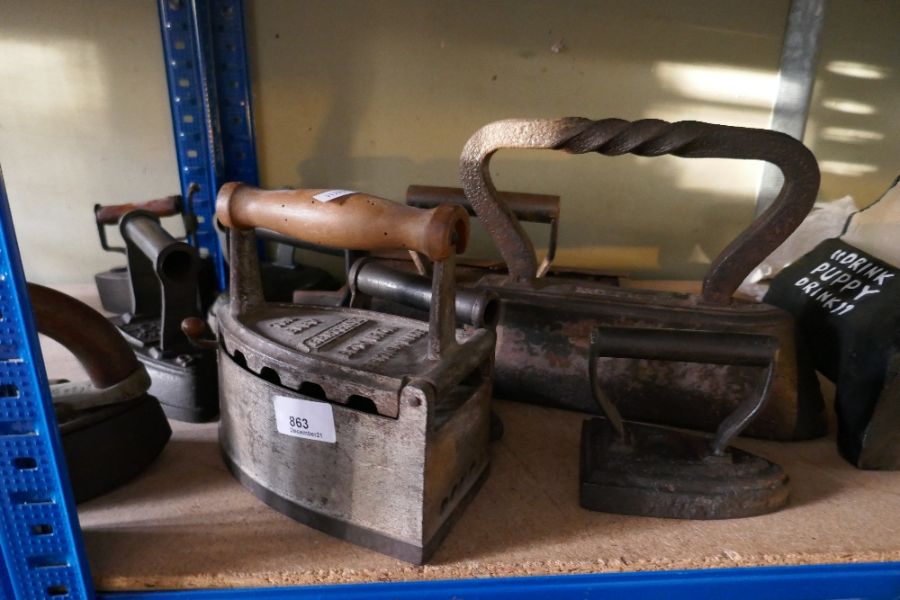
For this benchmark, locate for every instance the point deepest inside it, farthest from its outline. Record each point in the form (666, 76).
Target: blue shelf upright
(209, 93)
(40, 538)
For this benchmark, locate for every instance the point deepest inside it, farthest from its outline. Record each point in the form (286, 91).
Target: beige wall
(854, 120)
(84, 118)
(378, 95)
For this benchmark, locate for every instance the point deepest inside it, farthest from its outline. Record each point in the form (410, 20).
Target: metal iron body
(409, 400)
(111, 428)
(652, 470)
(544, 324)
(164, 290)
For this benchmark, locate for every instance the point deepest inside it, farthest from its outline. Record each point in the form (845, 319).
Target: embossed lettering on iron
(365, 341)
(404, 340)
(336, 331)
(294, 325)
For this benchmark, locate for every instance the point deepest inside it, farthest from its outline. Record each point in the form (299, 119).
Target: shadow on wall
(854, 127)
(84, 118)
(379, 96)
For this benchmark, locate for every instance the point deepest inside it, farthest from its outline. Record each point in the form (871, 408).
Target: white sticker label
(304, 419)
(330, 195)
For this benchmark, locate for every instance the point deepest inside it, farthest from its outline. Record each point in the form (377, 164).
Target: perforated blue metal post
(209, 94)
(39, 533)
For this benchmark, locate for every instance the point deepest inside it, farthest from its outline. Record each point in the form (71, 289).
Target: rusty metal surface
(542, 336)
(653, 470)
(660, 472)
(542, 357)
(648, 137)
(409, 400)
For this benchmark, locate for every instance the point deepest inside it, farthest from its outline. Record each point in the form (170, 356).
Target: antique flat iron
(281, 275)
(545, 322)
(114, 285)
(111, 428)
(163, 275)
(656, 471)
(371, 427)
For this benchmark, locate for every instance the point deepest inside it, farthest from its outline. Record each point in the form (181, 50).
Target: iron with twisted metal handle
(648, 137)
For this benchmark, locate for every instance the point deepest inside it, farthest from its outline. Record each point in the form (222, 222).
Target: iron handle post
(711, 347)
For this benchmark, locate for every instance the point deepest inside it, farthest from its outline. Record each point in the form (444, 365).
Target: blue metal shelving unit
(40, 541)
(209, 94)
(39, 535)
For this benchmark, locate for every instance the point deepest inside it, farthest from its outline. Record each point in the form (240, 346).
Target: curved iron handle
(95, 342)
(648, 137)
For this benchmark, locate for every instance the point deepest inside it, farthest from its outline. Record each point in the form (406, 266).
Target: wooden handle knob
(350, 220)
(161, 207)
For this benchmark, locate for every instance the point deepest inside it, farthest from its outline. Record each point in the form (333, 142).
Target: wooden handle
(353, 220)
(161, 207)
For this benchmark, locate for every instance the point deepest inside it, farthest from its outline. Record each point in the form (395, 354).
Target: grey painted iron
(371, 427)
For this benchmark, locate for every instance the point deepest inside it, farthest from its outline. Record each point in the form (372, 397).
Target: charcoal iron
(163, 275)
(111, 428)
(545, 322)
(651, 470)
(371, 427)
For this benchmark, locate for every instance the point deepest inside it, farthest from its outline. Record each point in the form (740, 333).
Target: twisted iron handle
(648, 137)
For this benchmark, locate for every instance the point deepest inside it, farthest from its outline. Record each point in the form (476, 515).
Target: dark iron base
(354, 534)
(187, 385)
(661, 472)
(111, 445)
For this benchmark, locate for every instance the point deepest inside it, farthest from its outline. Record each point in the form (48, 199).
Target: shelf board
(186, 523)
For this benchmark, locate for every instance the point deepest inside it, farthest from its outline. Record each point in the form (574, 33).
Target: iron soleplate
(107, 447)
(669, 473)
(187, 392)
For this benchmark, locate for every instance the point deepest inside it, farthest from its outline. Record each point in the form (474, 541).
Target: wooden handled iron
(161, 207)
(350, 220)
